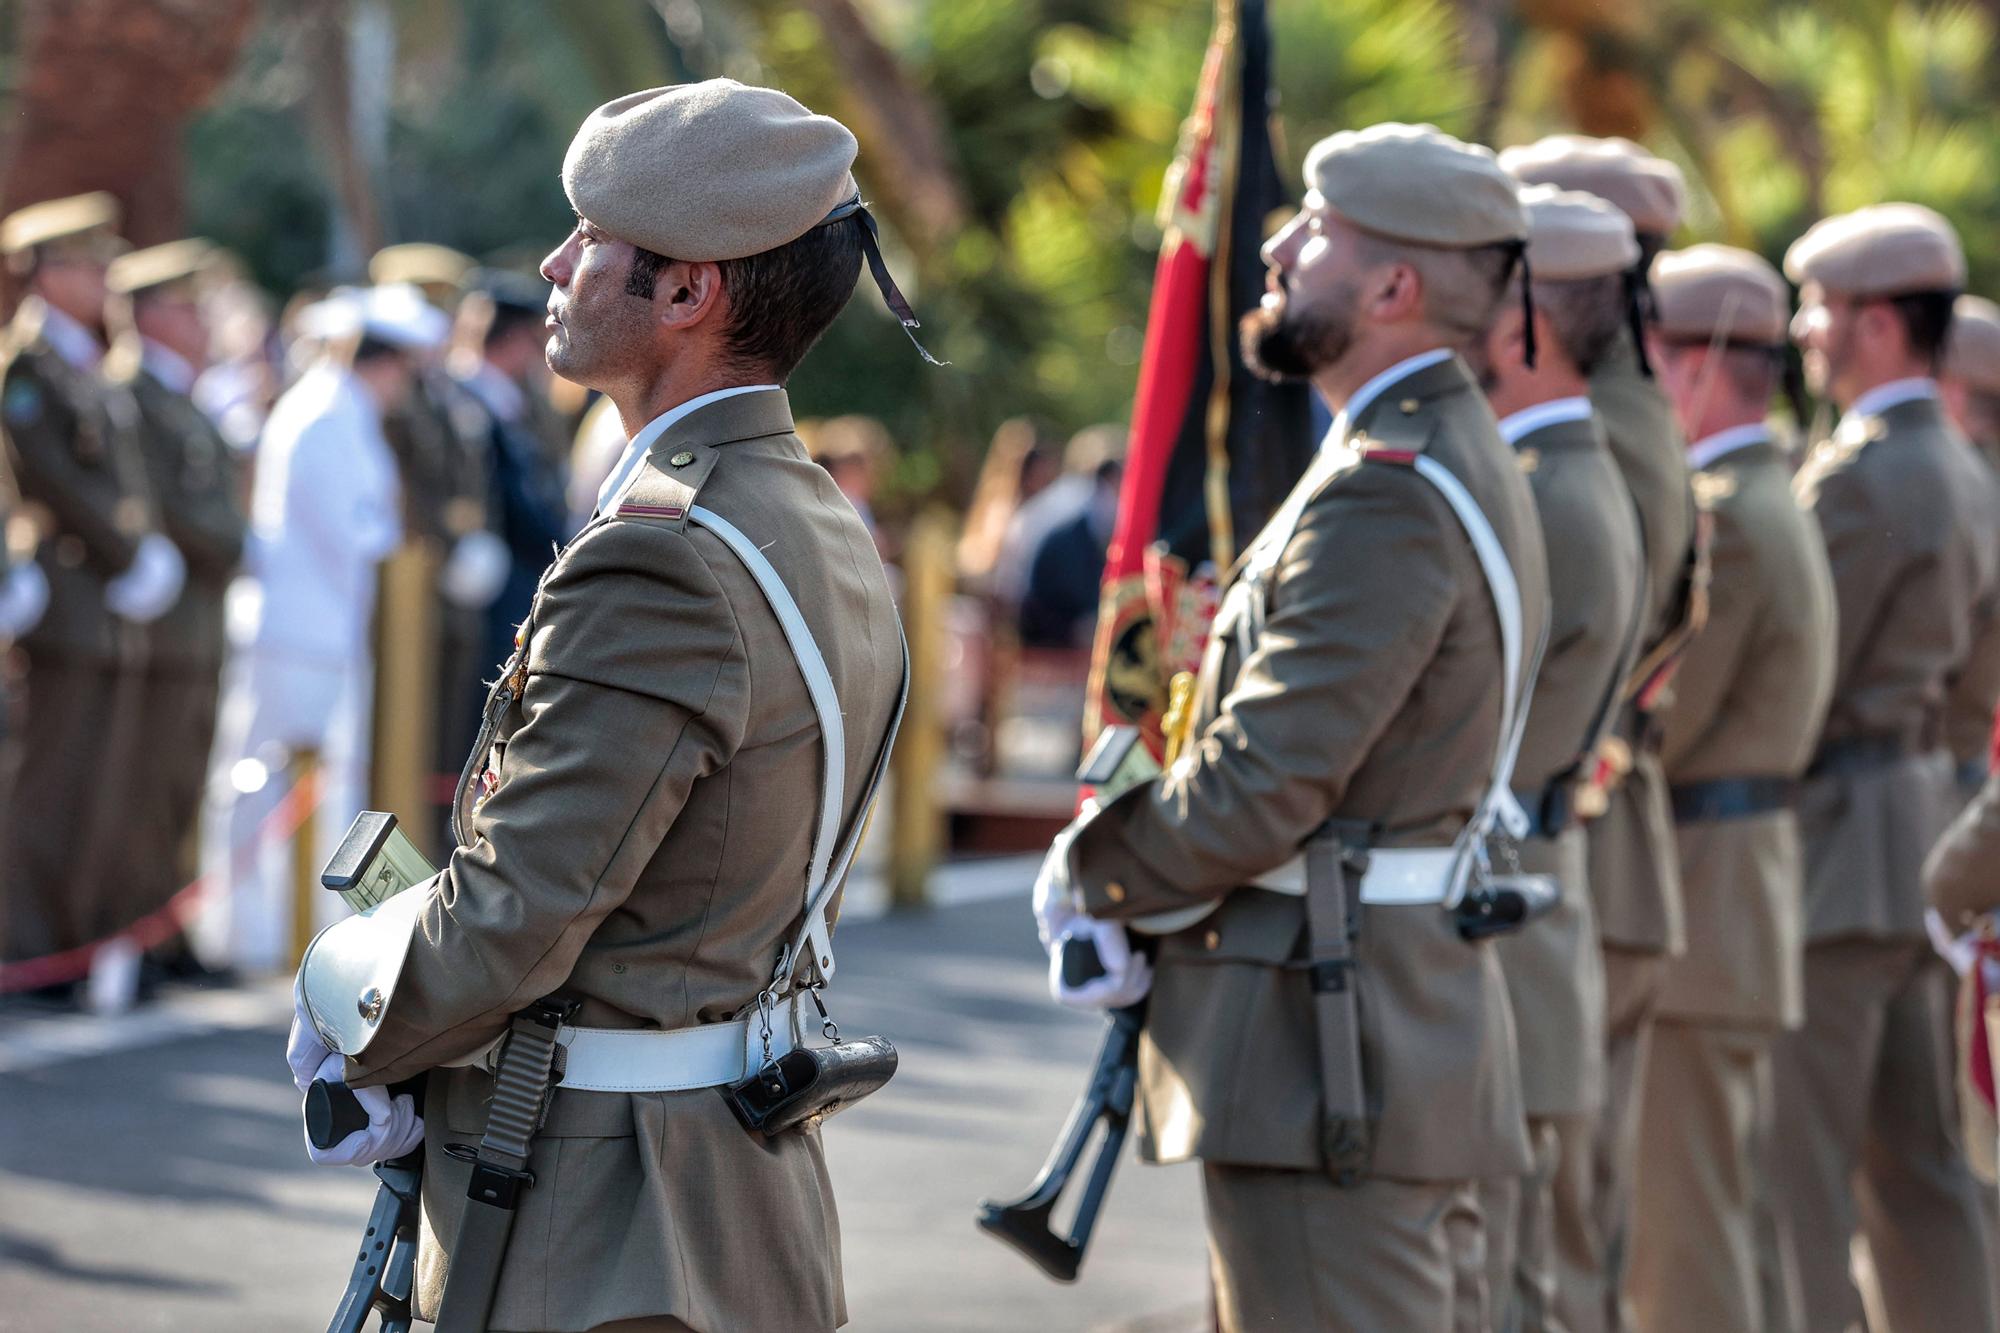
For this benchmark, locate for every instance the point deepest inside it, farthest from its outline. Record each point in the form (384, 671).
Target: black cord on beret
(892, 296)
(1520, 249)
(1638, 304)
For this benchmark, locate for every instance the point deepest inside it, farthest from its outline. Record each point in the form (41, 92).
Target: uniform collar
(167, 366)
(1517, 426)
(635, 451)
(1895, 393)
(1705, 451)
(72, 342)
(1364, 397)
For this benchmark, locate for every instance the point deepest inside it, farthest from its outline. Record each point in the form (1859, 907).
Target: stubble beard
(1290, 343)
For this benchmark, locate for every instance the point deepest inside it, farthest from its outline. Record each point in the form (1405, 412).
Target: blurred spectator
(1058, 606)
(1057, 503)
(600, 443)
(854, 450)
(326, 510)
(71, 443)
(1020, 464)
(160, 345)
(500, 365)
(243, 374)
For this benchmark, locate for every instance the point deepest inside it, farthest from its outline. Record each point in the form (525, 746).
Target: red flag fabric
(1213, 448)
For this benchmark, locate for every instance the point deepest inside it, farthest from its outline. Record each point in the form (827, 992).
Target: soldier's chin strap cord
(1520, 249)
(871, 246)
(1639, 304)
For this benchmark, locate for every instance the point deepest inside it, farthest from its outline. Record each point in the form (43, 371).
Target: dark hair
(1926, 319)
(509, 319)
(780, 301)
(1585, 314)
(371, 348)
(1753, 371)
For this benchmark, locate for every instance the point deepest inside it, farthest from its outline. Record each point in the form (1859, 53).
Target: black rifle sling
(1335, 859)
(521, 1081)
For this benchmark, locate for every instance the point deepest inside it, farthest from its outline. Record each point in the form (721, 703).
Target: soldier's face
(599, 333)
(73, 282)
(1306, 319)
(1824, 330)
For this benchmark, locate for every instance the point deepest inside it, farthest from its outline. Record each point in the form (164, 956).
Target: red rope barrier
(299, 803)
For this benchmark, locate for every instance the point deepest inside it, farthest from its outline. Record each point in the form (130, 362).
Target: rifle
(1024, 1222)
(385, 1268)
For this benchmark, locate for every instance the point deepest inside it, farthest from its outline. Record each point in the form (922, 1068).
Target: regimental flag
(1213, 448)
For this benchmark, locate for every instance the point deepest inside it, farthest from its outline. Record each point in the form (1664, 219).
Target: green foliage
(1060, 118)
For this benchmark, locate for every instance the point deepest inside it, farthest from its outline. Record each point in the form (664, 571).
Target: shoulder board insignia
(1371, 452)
(631, 509)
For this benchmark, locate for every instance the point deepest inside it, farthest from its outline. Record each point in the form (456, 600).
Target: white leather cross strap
(1402, 876)
(716, 1054)
(825, 870)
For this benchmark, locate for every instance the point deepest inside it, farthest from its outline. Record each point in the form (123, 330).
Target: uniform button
(1212, 940)
(1115, 891)
(618, 967)
(681, 459)
(1409, 406)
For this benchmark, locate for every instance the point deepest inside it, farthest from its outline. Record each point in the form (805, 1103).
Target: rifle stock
(1025, 1223)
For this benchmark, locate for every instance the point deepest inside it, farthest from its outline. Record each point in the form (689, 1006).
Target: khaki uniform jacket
(1555, 976)
(1748, 702)
(83, 485)
(1899, 499)
(1373, 694)
(634, 833)
(1975, 690)
(195, 483)
(1634, 881)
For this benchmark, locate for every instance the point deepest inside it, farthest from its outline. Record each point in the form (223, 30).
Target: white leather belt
(1396, 876)
(646, 1060)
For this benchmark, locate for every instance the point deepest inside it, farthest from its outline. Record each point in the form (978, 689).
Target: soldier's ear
(689, 293)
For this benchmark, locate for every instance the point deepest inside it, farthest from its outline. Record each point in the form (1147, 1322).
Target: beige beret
(1417, 183)
(1884, 250)
(421, 262)
(1972, 348)
(708, 171)
(1572, 235)
(57, 220)
(158, 265)
(1709, 290)
(1649, 189)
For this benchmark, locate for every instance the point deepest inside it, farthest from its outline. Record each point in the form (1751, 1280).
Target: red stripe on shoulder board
(650, 511)
(1406, 457)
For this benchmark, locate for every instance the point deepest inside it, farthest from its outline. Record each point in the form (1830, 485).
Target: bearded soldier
(1748, 703)
(1864, 1088)
(1579, 250)
(1635, 883)
(711, 661)
(1363, 683)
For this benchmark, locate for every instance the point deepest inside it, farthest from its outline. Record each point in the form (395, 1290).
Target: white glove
(394, 1127)
(1127, 975)
(24, 595)
(476, 570)
(150, 585)
(1055, 899)
(304, 1051)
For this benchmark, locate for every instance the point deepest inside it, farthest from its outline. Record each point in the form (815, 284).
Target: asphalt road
(151, 1174)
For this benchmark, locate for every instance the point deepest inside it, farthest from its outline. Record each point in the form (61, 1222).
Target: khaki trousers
(1867, 1142)
(1593, 1183)
(1694, 1249)
(1291, 1251)
(1521, 1270)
